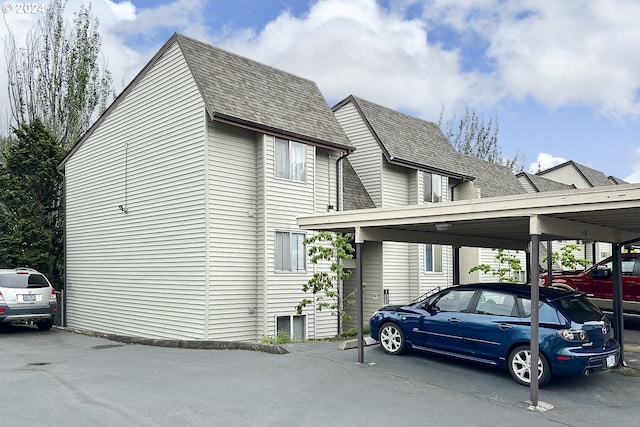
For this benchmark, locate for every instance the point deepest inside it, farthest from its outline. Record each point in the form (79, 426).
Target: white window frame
(290, 252)
(432, 187)
(433, 253)
(290, 159)
(292, 328)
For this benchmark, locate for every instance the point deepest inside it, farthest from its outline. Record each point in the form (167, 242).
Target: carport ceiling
(606, 214)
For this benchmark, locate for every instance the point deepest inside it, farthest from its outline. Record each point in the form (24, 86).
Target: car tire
(520, 366)
(45, 325)
(392, 338)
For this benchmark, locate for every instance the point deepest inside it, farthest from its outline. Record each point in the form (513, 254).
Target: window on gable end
(290, 160)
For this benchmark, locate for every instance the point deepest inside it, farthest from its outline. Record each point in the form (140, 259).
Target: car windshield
(23, 281)
(579, 309)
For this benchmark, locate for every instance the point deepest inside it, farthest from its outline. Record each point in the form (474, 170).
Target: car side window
(497, 304)
(456, 300)
(546, 313)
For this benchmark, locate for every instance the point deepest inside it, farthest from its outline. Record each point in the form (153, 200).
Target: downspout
(338, 208)
(338, 181)
(63, 317)
(264, 236)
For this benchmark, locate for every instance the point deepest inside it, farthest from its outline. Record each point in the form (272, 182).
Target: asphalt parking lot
(63, 378)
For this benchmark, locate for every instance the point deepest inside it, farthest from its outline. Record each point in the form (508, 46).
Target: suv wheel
(45, 325)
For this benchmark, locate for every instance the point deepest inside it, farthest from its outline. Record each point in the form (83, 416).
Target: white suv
(27, 297)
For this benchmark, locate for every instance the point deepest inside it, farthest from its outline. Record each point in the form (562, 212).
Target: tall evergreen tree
(30, 195)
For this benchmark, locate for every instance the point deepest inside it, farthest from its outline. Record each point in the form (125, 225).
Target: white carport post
(534, 231)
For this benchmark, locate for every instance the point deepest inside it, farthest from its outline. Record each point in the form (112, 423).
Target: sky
(561, 76)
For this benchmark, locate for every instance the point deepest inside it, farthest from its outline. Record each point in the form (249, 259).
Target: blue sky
(561, 75)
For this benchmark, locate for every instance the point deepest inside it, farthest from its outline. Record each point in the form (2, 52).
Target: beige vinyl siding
(566, 175)
(367, 159)
(395, 185)
(526, 184)
(285, 200)
(141, 273)
(233, 237)
(372, 293)
(488, 256)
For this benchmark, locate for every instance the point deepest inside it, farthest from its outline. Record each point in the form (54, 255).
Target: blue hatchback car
(491, 324)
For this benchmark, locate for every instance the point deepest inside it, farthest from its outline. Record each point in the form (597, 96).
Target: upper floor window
(432, 187)
(290, 160)
(290, 251)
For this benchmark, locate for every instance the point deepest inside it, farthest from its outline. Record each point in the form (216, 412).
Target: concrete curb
(353, 343)
(198, 345)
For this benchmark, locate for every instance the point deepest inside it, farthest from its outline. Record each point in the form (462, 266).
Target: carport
(606, 214)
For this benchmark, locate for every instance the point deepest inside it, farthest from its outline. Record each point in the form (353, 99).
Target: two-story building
(181, 201)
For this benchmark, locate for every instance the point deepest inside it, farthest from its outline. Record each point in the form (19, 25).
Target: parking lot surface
(63, 378)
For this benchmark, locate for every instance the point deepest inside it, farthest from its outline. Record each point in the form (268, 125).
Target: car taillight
(52, 298)
(1, 297)
(574, 335)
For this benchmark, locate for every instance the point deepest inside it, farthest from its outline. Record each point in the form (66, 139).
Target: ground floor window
(433, 258)
(292, 326)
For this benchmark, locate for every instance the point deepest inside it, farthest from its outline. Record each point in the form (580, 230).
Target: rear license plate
(28, 298)
(611, 361)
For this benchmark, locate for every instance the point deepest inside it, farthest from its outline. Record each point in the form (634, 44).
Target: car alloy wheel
(392, 338)
(520, 366)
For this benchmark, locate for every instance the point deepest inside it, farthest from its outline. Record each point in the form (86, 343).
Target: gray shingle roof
(355, 195)
(617, 181)
(240, 89)
(409, 140)
(492, 179)
(541, 184)
(592, 177)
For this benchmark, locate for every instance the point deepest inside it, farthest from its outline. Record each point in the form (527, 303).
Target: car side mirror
(600, 273)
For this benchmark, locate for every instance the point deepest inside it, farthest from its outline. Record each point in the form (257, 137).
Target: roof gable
(541, 184)
(246, 92)
(591, 177)
(408, 140)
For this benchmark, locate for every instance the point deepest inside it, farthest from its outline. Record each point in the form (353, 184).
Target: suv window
(23, 281)
(627, 266)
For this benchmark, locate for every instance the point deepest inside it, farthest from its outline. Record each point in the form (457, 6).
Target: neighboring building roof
(246, 93)
(541, 184)
(493, 179)
(617, 181)
(593, 178)
(410, 141)
(354, 194)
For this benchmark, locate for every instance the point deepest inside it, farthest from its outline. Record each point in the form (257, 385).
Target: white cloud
(635, 176)
(560, 53)
(545, 161)
(359, 48)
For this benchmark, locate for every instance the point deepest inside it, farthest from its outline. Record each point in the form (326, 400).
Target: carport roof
(606, 214)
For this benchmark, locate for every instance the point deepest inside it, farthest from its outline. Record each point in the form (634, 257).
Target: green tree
(472, 136)
(58, 76)
(508, 268)
(325, 286)
(567, 257)
(30, 213)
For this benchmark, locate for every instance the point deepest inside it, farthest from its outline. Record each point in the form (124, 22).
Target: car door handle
(504, 326)
(454, 320)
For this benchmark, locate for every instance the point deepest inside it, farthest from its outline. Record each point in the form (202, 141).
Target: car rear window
(579, 309)
(23, 281)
